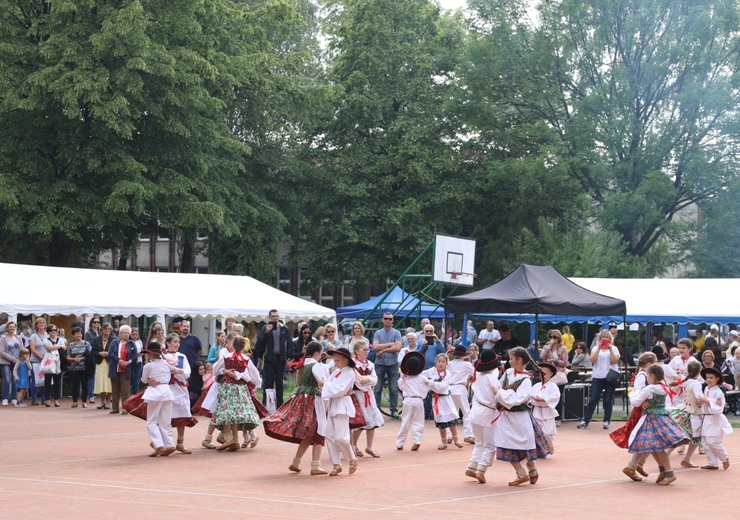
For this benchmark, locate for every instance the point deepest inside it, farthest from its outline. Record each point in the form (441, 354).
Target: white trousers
(484, 449)
(715, 450)
(412, 417)
(337, 438)
(159, 423)
(461, 403)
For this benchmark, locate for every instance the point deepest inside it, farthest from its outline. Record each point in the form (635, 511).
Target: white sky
(452, 4)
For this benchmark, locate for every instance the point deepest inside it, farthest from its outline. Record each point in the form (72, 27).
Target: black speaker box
(574, 397)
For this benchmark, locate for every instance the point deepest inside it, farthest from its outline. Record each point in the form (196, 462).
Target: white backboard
(454, 260)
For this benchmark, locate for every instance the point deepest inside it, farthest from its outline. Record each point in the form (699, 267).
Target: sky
(452, 4)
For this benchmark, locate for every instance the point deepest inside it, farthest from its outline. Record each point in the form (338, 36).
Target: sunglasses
(387, 319)
(94, 322)
(53, 330)
(307, 332)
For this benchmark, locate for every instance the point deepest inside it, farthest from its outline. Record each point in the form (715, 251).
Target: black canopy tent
(536, 289)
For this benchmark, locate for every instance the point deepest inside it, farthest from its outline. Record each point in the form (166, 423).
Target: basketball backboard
(454, 260)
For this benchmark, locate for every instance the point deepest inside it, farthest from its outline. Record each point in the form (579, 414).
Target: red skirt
(198, 406)
(294, 421)
(135, 405)
(621, 436)
(358, 421)
(188, 422)
(262, 411)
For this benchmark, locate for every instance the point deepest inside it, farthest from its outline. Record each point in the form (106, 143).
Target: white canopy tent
(30, 289)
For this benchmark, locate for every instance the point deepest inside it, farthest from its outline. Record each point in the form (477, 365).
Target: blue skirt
(657, 433)
(541, 448)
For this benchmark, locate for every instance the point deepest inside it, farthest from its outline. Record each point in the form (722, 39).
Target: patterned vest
(307, 383)
(524, 407)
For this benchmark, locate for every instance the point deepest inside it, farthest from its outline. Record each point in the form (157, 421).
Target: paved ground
(86, 464)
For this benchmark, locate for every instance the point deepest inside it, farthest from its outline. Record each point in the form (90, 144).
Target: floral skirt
(621, 436)
(234, 406)
(294, 421)
(657, 433)
(261, 409)
(683, 419)
(541, 450)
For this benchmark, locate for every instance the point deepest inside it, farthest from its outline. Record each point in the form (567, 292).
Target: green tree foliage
(635, 101)
(385, 170)
(119, 119)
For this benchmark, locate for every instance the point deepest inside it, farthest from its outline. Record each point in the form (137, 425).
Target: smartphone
(430, 339)
(180, 362)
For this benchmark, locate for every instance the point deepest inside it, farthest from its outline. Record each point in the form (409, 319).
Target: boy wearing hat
(337, 389)
(484, 413)
(415, 388)
(714, 423)
(461, 372)
(158, 396)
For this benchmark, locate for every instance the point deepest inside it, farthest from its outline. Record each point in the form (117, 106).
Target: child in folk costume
(207, 402)
(713, 423)
(337, 390)
(181, 416)
(484, 413)
(445, 413)
(302, 418)
(655, 431)
(518, 437)
(234, 409)
(544, 397)
(158, 396)
(365, 380)
(461, 372)
(689, 413)
(621, 436)
(250, 434)
(415, 387)
(676, 373)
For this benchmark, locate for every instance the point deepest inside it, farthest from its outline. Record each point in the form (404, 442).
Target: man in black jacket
(274, 346)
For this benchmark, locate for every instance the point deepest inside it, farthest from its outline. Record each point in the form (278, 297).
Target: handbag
(560, 378)
(49, 363)
(613, 377)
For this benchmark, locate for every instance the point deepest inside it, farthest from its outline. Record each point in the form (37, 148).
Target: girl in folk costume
(234, 409)
(676, 373)
(621, 436)
(250, 435)
(461, 372)
(207, 402)
(689, 413)
(415, 387)
(158, 396)
(544, 397)
(181, 416)
(445, 412)
(713, 422)
(655, 431)
(302, 418)
(484, 413)
(366, 380)
(336, 389)
(517, 435)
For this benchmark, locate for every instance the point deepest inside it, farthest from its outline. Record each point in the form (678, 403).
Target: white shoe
(14, 402)
(5, 402)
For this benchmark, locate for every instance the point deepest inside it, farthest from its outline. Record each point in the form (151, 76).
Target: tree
(384, 165)
(634, 100)
(118, 118)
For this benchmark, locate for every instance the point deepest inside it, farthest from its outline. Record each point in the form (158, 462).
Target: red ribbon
(435, 398)
(670, 393)
(367, 399)
(516, 373)
(339, 373)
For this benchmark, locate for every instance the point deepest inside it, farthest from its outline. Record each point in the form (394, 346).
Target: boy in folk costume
(415, 388)
(714, 423)
(158, 396)
(484, 413)
(461, 372)
(337, 389)
(544, 397)
(689, 413)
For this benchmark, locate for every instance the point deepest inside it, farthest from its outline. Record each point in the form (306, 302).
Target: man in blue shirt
(387, 344)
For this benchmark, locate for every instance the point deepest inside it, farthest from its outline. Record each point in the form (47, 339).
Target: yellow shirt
(568, 341)
(699, 343)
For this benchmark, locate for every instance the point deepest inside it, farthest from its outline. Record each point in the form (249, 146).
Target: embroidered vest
(657, 406)
(524, 407)
(307, 383)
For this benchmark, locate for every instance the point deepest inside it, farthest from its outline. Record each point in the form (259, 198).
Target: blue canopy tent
(396, 301)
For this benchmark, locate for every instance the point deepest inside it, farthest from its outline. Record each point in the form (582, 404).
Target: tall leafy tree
(118, 117)
(383, 172)
(634, 100)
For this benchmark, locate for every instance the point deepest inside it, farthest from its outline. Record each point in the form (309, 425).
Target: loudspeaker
(574, 397)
